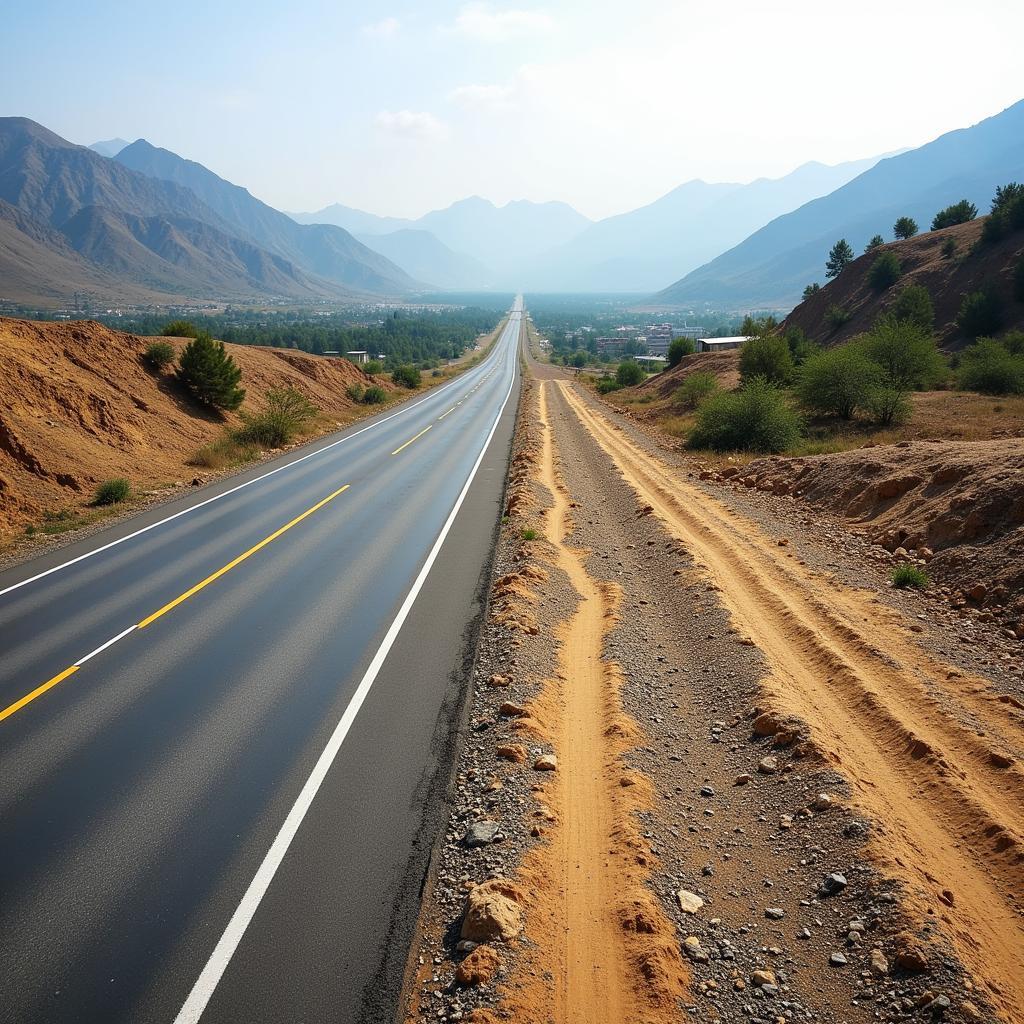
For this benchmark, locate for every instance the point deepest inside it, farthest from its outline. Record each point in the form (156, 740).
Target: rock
(479, 967)
(742, 780)
(910, 954)
(465, 946)
(693, 950)
(938, 1005)
(492, 911)
(480, 833)
(689, 902)
(834, 883)
(546, 763)
(514, 752)
(774, 913)
(759, 978)
(706, 791)
(970, 1011)
(783, 542)
(510, 710)
(879, 964)
(804, 933)
(767, 724)
(999, 759)
(768, 765)
(977, 592)
(497, 680)
(822, 802)
(837, 960)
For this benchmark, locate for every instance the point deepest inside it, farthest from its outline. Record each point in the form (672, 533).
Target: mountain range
(771, 267)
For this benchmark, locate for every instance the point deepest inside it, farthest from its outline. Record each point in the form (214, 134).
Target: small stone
(479, 967)
(879, 964)
(742, 780)
(804, 933)
(837, 960)
(689, 902)
(514, 752)
(480, 833)
(706, 791)
(768, 765)
(499, 680)
(775, 913)
(510, 710)
(759, 978)
(546, 763)
(970, 1011)
(938, 1005)
(834, 883)
(910, 955)
(822, 802)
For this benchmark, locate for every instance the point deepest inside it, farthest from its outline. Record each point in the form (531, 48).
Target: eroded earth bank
(714, 768)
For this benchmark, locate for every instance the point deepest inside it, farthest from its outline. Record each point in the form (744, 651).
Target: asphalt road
(227, 813)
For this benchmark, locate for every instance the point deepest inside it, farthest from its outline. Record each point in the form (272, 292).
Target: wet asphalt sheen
(140, 795)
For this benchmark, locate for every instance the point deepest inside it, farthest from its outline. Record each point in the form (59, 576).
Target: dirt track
(933, 756)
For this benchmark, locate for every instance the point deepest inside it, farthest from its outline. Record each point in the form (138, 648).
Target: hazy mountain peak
(109, 147)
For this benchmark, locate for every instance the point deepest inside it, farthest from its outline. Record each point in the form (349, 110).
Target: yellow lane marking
(37, 692)
(241, 558)
(411, 439)
(61, 676)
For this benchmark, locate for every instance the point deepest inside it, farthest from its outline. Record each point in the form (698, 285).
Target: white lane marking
(224, 494)
(102, 647)
(221, 956)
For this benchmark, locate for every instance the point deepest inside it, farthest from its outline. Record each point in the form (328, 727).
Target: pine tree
(905, 227)
(206, 369)
(874, 243)
(839, 256)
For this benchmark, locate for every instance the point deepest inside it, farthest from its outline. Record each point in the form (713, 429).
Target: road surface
(224, 726)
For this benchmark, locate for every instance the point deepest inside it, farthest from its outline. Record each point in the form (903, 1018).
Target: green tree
(839, 257)
(811, 289)
(757, 418)
(838, 381)
(179, 329)
(1007, 214)
(885, 271)
(876, 241)
(958, 213)
(206, 370)
(907, 355)
(913, 303)
(905, 227)
(579, 360)
(679, 347)
(757, 325)
(629, 373)
(980, 313)
(767, 356)
(801, 347)
(989, 367)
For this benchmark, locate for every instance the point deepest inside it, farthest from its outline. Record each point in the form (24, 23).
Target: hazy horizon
(412, 107)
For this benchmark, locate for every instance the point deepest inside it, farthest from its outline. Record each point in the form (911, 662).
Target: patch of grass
(907, 575)
(529, 534)
(112, 492)
(224, 453)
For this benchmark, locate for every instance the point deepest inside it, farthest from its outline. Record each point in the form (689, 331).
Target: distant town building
(358, 355)
(719, 344)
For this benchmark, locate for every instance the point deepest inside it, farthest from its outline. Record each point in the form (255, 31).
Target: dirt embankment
(724, 365)
(959, 506)
(78, 405)
(947, 279)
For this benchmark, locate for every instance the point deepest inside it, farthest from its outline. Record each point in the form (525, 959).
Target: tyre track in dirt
(933, 756)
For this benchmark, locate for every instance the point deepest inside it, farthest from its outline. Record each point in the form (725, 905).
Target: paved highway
(224, 726)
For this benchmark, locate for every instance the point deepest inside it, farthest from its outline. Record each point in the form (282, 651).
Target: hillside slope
(78, 405)
(323, 250)
(771, 268)
(947, 281)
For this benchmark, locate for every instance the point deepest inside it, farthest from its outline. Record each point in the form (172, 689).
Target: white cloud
(383, 29)
(412, 124)
(484, 21)
(486, 97)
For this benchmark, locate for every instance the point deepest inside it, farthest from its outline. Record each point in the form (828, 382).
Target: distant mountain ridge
(109, 147)
(772, 266)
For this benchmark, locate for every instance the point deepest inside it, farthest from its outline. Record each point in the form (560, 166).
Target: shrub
(888, 405)
(287, 411)
(223, 453)
(206, 369)
(696, 389)
(885, 271)
(907, 575)
(980, 313)
(949, 248)
(679, 347)
(811, 289)
(876, 242)
(529, 534)
(905, 227)
(606, 385)
(629, 374)
(991, 368)
(836, 317)
(756, 418)
(767, 356)
(159, 354)
(838, 381)
(915, 304)
(112, 492)
(1018, 279)
(906, 354)
(839, 256)
(373, 367)
(406, 376)
(355, 392)
(1007, 213)
(801, 348)
(180, 329)
(958, 213)
(375, 395)
(1013, 342)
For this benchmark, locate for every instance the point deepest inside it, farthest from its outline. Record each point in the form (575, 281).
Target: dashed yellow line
(37, 692)
(411, 439)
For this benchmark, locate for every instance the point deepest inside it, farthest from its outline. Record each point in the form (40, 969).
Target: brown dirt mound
(724, 365)
(947, 282)
(78, 405)
(962, 500)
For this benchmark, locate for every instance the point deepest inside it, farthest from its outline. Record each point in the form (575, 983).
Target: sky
(403, 107)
